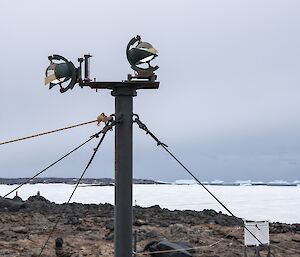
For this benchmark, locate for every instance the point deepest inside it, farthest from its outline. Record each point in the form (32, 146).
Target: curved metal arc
(72, 69)
(150, 69)
(133, 64)
(58, 58)
(74, 78)
(129, 45)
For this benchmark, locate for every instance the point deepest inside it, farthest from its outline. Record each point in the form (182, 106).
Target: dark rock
(7, 235)
(165, 245)
(109, 236)
(155, 208)
(17, 199)
(110, 226)
(73, 220)
(163, 224)
(10, 205)
(152, 234)
(296, 227)
(146, 235)
(37, 198)
(278, 227)
(211, 213)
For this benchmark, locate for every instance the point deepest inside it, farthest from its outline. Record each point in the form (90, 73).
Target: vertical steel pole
(123, 170)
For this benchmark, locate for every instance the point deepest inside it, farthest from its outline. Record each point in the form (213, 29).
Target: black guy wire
(164, 146)
(52, 164)
(104, 130)
(78, 182)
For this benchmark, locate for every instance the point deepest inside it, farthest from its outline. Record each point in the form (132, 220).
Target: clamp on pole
(109, 124)
(144, 127)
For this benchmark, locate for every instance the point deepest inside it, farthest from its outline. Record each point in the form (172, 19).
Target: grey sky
(228, 104)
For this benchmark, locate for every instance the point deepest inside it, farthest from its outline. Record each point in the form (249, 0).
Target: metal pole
(123, 92)
(123, 170)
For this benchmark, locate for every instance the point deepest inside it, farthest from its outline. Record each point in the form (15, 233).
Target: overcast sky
(228, 104)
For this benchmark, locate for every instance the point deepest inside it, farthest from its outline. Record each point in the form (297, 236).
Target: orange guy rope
(46, 133)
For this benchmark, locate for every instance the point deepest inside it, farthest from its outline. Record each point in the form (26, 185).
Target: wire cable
(52, 164)
(47, 132)
(109, 125)
(77, 184)
(164, 146)
(278, 247)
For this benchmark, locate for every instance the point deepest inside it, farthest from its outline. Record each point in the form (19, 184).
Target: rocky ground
(88, 230)
(70, 181)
